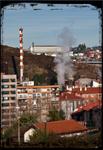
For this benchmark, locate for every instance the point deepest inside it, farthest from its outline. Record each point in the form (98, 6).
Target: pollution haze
(64, 66)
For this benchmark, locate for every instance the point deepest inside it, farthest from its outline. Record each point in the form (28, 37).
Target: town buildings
(38, 99)
(71, 99)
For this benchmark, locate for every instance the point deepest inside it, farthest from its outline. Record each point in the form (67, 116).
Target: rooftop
(69, 96)
(87, 90)
(62, 126)
(89, 106)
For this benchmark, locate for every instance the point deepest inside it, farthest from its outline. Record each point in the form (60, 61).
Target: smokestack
(21, 53)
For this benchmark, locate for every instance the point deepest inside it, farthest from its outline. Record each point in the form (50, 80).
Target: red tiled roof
(89, 106)
(62, 126)
(69, 96)
(76, 93)
(88, 90)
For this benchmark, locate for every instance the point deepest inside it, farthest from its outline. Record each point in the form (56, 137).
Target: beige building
(38, 99)
(8, 99)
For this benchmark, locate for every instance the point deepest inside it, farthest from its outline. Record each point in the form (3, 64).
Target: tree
(54, 114)
(39, 79)
(81, 48)
(27, 119)
(62, 114)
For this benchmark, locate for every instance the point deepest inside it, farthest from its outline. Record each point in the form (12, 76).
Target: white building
(46, 49)
(8, 99)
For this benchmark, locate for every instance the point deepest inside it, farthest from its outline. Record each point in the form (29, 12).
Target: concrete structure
(8, 99)
(38, 99)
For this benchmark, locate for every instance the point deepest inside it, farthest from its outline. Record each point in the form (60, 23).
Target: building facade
(38, 99)
(50, 50)
(8, 99)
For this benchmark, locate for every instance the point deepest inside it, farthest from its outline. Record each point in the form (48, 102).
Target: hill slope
(33, 64)
(38, 64)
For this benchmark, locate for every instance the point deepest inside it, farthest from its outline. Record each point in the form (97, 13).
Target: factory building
(8, 99)
(50, 50)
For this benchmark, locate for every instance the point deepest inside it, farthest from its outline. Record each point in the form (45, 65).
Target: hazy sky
(43, 26)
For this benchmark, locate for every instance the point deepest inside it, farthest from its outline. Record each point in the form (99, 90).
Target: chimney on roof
(67, 87)
(80, 88)
(85, 88)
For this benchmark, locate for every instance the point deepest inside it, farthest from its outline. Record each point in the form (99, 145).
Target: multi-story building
(69, 102)
(38, 99)
(8, 99)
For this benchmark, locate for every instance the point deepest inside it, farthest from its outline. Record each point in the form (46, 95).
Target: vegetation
(81, 48)
(54, 114)
(41, 140)
(26, 119)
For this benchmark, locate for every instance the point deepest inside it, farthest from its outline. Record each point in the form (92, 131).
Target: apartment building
(8, 99)
(38, 99)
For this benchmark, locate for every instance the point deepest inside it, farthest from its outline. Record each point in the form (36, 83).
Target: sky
(42, 26)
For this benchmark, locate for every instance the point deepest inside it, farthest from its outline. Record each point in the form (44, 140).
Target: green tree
(54, 114)
(39, 79)
(27, 119)
(62, 114)
(81, 48)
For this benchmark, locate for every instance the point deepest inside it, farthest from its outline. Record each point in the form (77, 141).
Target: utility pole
(18, 119)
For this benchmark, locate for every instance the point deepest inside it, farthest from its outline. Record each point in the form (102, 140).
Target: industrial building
(50, 50)
(8, 99)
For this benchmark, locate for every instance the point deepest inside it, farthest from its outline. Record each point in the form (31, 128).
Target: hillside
(38, 64)
(33, 64)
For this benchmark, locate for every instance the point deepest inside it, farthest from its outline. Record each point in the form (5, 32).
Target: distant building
(83, 82)
(8, 99)
(50, 50)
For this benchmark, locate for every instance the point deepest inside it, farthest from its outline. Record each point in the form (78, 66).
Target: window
(13, 86)
(13, 98)
(5, 98)
(34, 95)
(13, 104)
(5, 86)
(5, 104)
(5, 80)
(12, 80)
(43, 95)
(13, 92)
(5, 92)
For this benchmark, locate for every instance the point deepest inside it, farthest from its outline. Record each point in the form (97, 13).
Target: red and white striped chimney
(21, 53)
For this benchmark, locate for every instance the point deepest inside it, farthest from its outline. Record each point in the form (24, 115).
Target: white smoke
(64, 66)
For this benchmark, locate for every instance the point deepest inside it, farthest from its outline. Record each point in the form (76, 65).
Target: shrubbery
(42, 139)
